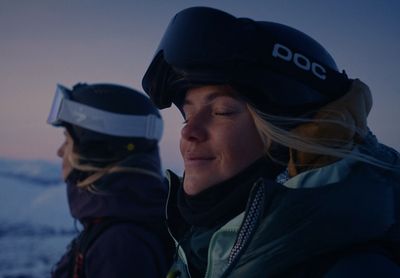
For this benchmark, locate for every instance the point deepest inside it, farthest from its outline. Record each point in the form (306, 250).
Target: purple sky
(48, 42)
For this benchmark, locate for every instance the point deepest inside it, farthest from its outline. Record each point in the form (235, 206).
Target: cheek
(237, 149)
(244, 143)
(229, 144)
(66, 160)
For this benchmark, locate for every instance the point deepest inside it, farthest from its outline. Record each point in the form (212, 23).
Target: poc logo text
(301, 61)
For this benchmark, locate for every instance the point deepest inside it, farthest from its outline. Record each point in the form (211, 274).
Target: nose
(195, 129)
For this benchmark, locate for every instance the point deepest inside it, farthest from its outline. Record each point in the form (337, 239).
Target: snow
(35, 224)
(30, 255)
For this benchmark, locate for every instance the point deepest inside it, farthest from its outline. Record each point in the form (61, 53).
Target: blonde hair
(74, 158)
(332, 147)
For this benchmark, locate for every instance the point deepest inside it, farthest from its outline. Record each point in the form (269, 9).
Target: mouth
(198, 160)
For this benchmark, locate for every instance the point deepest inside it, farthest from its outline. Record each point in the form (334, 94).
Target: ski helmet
(107, 121)
(276, 68)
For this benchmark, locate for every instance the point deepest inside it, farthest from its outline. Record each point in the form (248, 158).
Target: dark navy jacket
(136, 248)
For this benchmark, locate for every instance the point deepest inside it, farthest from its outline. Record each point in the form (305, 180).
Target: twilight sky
(45, 42)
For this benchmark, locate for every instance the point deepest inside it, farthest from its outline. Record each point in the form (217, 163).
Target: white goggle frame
(64, 109)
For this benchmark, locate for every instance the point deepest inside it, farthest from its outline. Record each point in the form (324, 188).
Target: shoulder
(364, 264)
(126, 249)
(125, 235)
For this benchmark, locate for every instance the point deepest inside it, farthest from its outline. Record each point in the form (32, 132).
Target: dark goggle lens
(199, 36)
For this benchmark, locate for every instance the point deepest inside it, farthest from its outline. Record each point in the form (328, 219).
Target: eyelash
(214, 113)
(223, 113)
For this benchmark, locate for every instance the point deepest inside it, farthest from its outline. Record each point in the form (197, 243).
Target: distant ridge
(38, 172)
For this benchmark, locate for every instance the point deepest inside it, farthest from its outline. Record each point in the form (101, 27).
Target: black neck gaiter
(219, 203)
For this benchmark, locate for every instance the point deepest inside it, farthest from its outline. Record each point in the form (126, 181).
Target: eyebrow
(213, 96)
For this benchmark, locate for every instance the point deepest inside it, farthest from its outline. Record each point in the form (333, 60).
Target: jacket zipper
(247, 229)
(179, 252)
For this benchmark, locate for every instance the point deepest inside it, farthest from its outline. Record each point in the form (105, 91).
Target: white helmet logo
(301, 61)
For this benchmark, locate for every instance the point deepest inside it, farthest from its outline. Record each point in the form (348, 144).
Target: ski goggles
(65, 110)
(208, 45)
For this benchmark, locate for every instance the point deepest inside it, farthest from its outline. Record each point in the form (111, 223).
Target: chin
(193, 186)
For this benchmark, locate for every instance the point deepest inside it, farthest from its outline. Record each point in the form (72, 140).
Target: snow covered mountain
(38, 172)
(35, 225)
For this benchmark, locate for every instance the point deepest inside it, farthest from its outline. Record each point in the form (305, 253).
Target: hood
(131, 196)
(338, 124)
(305, 223)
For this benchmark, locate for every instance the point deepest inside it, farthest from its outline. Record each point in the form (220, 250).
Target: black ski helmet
(276, 68)
(107, 121)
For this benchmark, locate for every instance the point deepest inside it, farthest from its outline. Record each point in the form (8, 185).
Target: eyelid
(185, 117)
(225, 111)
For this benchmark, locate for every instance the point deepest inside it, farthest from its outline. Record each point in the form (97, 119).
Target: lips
(198, 160)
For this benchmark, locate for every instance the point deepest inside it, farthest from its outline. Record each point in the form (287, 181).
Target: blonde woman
(111, 164)
(282, 175)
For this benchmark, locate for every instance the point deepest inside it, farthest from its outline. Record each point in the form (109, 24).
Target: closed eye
(227, 113)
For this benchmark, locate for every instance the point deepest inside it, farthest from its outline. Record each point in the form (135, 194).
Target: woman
(282, 176)
(112, 169)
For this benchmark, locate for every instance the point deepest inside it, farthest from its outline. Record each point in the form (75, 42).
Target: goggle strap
(142, 126)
